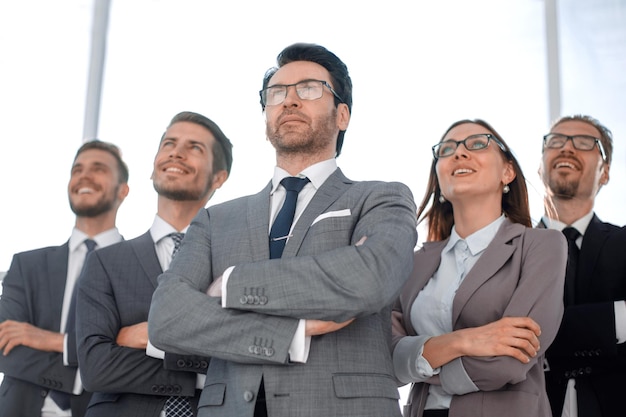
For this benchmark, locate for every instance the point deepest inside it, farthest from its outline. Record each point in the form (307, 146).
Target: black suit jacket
(32, 292)
(585, 347)
(115, 291)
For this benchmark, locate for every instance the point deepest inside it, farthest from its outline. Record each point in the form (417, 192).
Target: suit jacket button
(204, 364)
(162, 389)
(180, 363)
(256, 300)
(257, 350)
(250, 299)
(262, 300)
(169, 389)
(155, 389)
(248, 396)
(243, 299)
(43, 393)
(177, 389)
(251, 348)
(269, 351)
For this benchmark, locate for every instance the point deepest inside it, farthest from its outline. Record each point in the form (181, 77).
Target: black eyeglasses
(471, 143)
(580, 142)
(306, 90)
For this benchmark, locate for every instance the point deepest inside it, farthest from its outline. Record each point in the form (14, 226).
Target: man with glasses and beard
(37, 332)
(127, 375)
(289, 291)
(586, 364)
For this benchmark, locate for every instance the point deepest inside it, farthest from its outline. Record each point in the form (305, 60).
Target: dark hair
(342, 84)
(122, 168)
(606, 137)
(222, 147)
(440, 217)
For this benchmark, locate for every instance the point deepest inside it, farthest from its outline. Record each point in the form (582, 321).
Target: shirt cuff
(66, 360)
(620, 321)
(300, 344)
(225, 277)
(154, 352)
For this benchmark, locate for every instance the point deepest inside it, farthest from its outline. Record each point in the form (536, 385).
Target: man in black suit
(586, 364)
(126, 373)
(37, 340)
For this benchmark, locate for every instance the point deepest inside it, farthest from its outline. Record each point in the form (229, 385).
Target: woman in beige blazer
(484, 300)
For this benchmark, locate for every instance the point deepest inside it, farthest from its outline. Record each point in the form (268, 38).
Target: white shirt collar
(316, 173)
(580, 224)
(160, 229)
(106, 238)
(479, 240)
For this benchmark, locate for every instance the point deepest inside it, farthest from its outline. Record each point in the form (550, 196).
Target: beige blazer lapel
(496, 255)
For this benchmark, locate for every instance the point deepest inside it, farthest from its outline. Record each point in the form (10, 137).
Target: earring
(506, 188)
(442, 199)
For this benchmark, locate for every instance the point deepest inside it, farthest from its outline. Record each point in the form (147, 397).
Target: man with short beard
(37, 335)
(586, 364)
(127, 375)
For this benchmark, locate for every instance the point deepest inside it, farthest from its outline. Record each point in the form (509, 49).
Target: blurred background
(417, 66)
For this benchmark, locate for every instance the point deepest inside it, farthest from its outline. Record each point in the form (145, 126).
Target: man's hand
(215, 289)
(15, 333)
(135, 336)
(318, 327)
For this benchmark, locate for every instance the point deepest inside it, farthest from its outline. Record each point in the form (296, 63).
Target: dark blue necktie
(282, 225)
(62, 399)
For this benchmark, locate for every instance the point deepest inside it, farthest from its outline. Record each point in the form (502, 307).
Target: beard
(102, 206)
(317, 136)
(563, 188)
(182, 194)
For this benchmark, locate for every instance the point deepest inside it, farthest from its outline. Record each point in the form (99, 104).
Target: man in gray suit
(125, 373)
(38, 341)
(308, 333)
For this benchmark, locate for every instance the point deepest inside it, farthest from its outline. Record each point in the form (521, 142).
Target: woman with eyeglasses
(485, 298)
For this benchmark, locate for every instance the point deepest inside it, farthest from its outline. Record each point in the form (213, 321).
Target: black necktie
(177, 406)
(62, 399)
(572, 264)
(282, 225)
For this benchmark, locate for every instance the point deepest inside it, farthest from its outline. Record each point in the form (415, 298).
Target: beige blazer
(521, 273)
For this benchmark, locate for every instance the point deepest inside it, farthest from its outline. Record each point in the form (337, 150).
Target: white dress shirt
(75, 261)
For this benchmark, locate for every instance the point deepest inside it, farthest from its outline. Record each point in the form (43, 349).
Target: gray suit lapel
(497, 254)
(143, 247)
(258, 221)
(329, 192)
(57, 259)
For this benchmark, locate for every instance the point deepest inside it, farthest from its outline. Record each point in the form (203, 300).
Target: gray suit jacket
(114, 291)
(322, 275)
(521, 273)
(33, 293)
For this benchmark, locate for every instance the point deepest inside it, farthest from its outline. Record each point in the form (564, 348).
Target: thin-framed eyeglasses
(306, 90)
(580, 142)
(471, 143)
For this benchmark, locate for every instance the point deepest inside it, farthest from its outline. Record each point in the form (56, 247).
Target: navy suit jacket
(585, 347)
(33, 292)
(114, 291)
